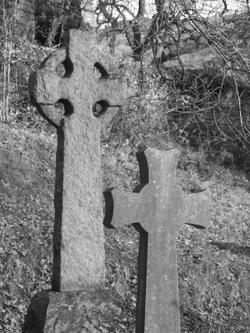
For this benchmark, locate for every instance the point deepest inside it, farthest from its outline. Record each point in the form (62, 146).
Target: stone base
(74, 312)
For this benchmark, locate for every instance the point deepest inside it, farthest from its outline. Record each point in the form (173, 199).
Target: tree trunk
(24, 27)
(17, 25)
(142, 8)
(88, 13)
(18, 19)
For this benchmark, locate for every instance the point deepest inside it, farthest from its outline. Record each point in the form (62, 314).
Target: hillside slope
(26, 215)
(214, 264)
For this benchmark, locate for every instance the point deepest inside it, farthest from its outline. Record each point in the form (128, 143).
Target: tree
(18, 17)
(25, 19)
(17, 22)
(54, 17)
(200, 52)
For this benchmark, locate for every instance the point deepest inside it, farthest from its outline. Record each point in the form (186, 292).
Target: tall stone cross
(158, 208)
(75, 77)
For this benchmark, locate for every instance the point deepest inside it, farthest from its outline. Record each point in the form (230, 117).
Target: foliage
(18, 59)
(202, 61)
(25, 221)
(53, 18)
(7, 19)
(22, 60)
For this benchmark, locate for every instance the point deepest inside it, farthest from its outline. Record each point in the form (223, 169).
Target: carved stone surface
(75, 77)
(158, 211)
(91, 311)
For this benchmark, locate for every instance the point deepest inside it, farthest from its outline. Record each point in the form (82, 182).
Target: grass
(213, 264)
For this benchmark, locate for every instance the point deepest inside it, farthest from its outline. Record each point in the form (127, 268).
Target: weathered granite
(91, 311)
(158, 209)
(90, 95)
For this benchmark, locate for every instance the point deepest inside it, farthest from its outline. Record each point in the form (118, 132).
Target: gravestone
(158, 208)
(90, 95)
(75, 77)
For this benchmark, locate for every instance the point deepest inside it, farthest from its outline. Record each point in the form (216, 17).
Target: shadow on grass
(36, 315)
(232, 247)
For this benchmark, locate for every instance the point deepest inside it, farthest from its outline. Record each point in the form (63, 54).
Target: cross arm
(122, 208)
(195, 210)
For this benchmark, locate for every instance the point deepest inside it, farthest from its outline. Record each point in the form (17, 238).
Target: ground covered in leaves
(214, 264)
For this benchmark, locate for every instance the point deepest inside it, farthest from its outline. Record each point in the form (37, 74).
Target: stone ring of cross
(72, 80)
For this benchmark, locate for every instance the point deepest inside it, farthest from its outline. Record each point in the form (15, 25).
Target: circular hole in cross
(100, 107)
(65, 68)
(99, 69)
(64, 107)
